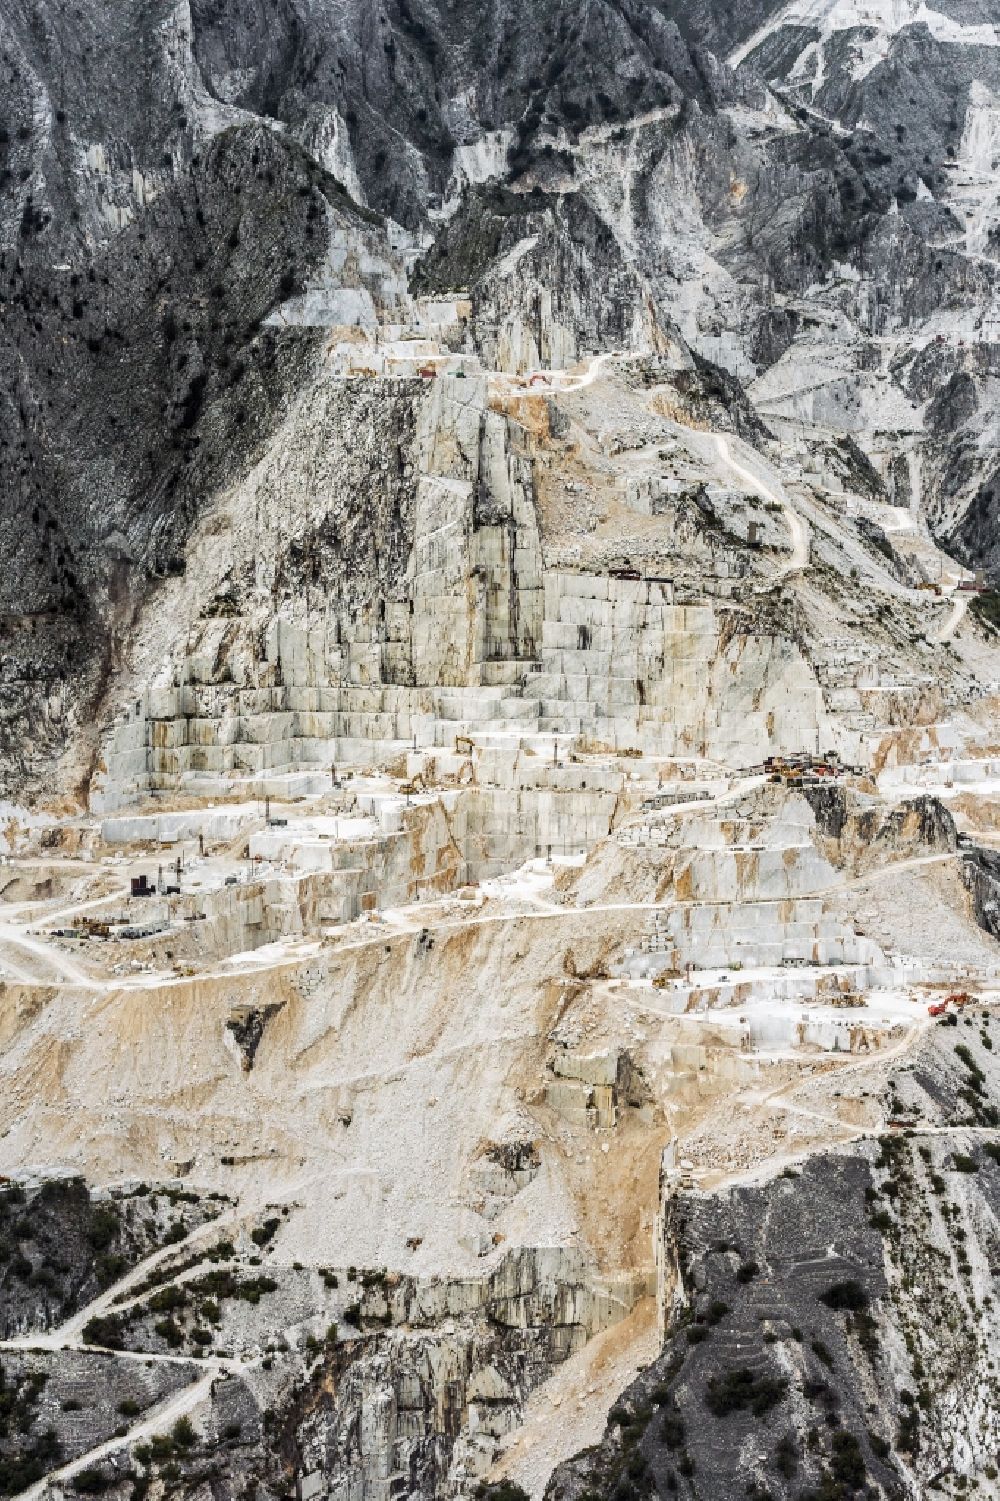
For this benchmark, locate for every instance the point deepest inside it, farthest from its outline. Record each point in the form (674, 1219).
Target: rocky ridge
(499, 725)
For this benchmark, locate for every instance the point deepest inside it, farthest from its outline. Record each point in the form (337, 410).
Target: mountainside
(801, 193)
(499, 749)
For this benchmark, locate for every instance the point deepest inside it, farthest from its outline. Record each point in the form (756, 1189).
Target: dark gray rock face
(60, 1245)
(574, 266)
(770, 1371)
(923, 825)
(136, 378)
(59, 1405)
(827, 1335)
(399, 75)
(829, 805)
(981, 875)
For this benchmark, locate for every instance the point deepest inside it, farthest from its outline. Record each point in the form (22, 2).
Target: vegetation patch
(740, 1390)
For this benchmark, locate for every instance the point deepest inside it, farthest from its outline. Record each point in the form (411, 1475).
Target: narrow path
(293, 953)
(65, 967)
(68, 1336)
(71, 1333)
(597, 364)
(798, 531)
(155, 1420)
(742, 52)
(90, 904)
(774, 1099)
(956, 615)
(14, 971)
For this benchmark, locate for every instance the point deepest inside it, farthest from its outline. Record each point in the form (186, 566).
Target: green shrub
(503, 1490)
(265, 1232)
(739, 1389)
(786, 1456)
(104, 1226)
(962, 1052)
(91, 1482)
(171, 1331)
(845, 1295)
(672, 1429)
(986, 608)
(105, 1329)
(183, 1433)
(167, 1299)
(847, 1463)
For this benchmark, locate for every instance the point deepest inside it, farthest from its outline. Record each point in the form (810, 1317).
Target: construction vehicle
(954, 1002)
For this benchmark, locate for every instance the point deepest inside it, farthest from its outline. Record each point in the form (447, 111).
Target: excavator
(956, 1001)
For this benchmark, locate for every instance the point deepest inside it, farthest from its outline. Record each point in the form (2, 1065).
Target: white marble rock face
(499, 895)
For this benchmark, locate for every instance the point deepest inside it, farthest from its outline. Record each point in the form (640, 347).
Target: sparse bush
(167, 1300)
(847, 1463)
(672, 1429)
(786, 1456)
(503, 1490)
(740, 1389)
(845, 1295)
(183, 1433)
(92, 1481)
(106, 1330)
(265, 1232)
(171, 1331)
